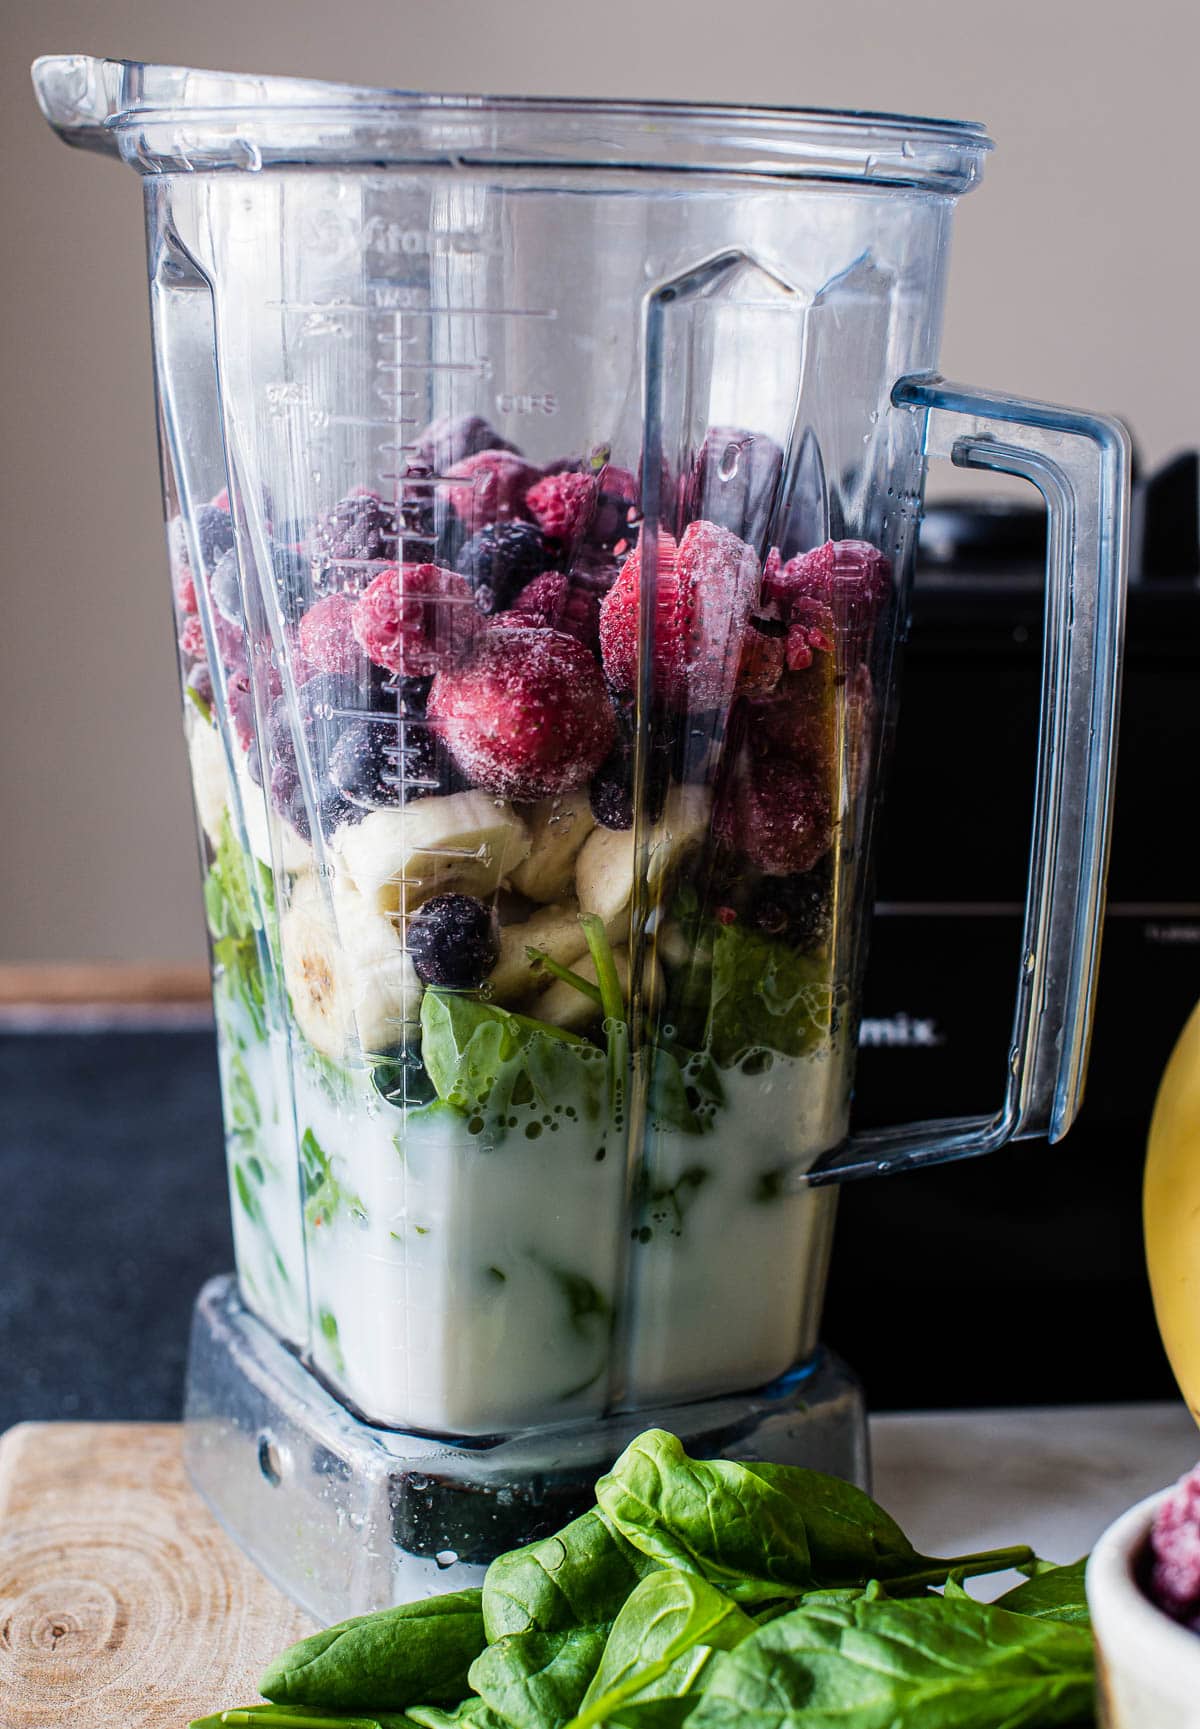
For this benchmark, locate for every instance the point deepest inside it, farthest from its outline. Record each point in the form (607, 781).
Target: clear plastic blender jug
(542, 483)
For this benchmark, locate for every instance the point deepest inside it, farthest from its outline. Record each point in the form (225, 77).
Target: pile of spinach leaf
(235, 887)
(722, 1594)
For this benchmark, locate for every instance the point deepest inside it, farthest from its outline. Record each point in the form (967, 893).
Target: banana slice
(210, 781)
(556, 931)
(604, 872)
(466, 841)
(557, 828)
(295, 852)
(563, 1006)
(349, 979)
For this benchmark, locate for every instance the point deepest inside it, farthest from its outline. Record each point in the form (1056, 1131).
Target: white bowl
(1148, 1666)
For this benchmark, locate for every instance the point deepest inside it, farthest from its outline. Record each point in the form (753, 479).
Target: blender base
(346, 1518)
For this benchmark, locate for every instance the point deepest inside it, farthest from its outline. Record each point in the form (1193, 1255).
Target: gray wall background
(1074, 277)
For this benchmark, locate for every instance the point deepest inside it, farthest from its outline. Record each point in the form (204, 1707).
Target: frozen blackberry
(360, 528)
(287, 797)
(213, 529)
(610, 792)
(455, 437)
(452, 942)
(793, 909)
(735, 479)
(382, 762)
(500, 559)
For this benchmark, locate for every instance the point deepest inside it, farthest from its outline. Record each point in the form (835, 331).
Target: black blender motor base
(345, 1517)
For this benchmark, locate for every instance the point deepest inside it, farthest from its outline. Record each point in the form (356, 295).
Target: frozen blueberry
(452, 942)
(500, 559)
(225, 589)
(386, 762)
(361, 528)
(611, 790)
(213, 529)
(292, 568)
(200, 683)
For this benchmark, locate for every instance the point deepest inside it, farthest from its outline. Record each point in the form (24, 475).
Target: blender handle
(1080, 463)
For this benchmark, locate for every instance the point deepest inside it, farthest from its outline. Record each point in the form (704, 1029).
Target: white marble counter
(958, 1481)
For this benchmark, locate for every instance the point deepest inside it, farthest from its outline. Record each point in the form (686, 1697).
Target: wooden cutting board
(122, 1603)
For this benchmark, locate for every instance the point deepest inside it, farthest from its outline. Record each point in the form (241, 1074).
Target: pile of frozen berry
(1175, 1552)
(486, 630)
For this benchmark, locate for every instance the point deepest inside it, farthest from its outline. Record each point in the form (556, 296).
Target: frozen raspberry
(811, 631)
(241, 709)
(221, 501)
(734, 480)
(414, 618)
(797, 719)
(776, 813)
(561, 505)
(554, 601)
(500, 559)
(850, 577)
(191, 639)
(327, 640)
(455, 437)
(707, 585)
(1175, 1547)
(361, 528)
(488, 487)
(763, 650)
(185, 591)
(526, 715)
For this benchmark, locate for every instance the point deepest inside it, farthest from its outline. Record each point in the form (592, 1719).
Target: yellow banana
(1171, 1211)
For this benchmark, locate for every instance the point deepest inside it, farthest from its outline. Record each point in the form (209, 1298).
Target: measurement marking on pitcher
(333, 306)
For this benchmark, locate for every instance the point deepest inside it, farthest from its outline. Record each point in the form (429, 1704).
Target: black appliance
(1019, 1279)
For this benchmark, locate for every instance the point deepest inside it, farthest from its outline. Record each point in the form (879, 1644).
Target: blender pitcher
(542, 482)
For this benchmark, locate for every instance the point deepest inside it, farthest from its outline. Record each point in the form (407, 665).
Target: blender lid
(173, 119)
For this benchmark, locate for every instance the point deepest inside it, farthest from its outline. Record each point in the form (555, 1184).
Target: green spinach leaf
(1053, 1594)
(661, 1643)
(537, 1680)
(486, 1061)
(384, 1662)
(299, 1717)
(765, 996)
(577, 1578)
(921, 1663)
(764, 1531)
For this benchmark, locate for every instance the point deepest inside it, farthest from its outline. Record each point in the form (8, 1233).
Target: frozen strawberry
(706, 587)
(561, 505)
(526, 715)
(326, 635)
(776, 813)
(850, 577)
(415, 618)
(488, 487)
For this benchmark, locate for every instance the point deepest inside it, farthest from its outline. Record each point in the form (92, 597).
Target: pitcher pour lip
(172, 119)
